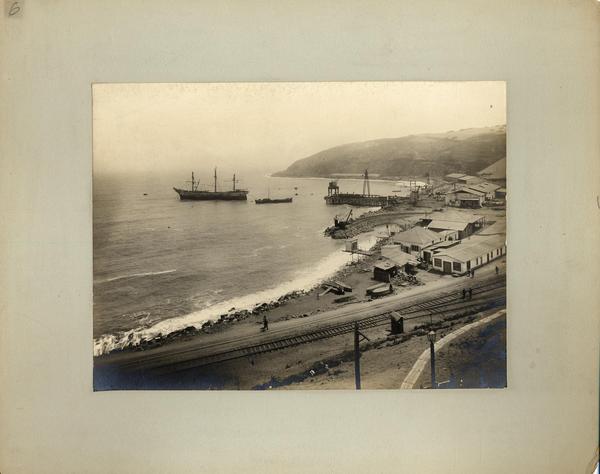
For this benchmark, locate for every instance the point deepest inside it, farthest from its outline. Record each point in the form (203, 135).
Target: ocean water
(161, 264)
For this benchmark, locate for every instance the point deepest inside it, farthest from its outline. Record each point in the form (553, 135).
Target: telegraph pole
(356, 357)
(431, 337)
(357, 336)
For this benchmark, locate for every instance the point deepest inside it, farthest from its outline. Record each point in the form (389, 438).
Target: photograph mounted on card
(315, 235)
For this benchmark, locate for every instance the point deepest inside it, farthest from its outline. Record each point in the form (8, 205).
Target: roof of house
(496, 170)
(385, 265)
(484, 187)
(443, 245)
(474, 247)
(455, 175)
(497, 228)
(446, 232)
(467, 197)
(417, 235)
(468, 194)
(468, 177)
(455, 216)
(396, 255)
(447, 225)
(469, 190)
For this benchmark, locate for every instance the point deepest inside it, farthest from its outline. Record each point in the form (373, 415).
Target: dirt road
(183, 355)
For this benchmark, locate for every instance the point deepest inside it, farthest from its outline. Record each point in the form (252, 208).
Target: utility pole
(357, 335)
(431, 337)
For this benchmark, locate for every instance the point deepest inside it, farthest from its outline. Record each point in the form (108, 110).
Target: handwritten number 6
(14, 9)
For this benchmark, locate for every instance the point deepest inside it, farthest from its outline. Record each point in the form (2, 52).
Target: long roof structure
(417, 235)
(474, 247)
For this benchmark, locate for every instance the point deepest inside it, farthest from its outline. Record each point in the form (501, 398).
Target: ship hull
(186, 195)
(272, 201)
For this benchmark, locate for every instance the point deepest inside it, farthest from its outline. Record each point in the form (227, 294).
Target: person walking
(265, 323)
(470, 293)
(464, 293)
(497, 269)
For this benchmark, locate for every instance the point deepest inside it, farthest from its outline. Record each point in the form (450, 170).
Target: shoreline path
(188, 354)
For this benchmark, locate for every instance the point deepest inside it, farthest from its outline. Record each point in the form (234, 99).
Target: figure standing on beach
(497, 269)
(470, 293)
(265, 323)
(464, 293)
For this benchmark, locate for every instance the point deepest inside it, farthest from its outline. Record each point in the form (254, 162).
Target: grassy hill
(467, 151)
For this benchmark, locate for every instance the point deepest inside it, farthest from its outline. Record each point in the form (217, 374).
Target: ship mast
(215, 180)
(234, 181)
(194, 183)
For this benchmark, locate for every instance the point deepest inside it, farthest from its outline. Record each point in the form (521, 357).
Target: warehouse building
(467, 179)
(461, 224)
(427, 254)
(469, 254)
(414, 240)
(465, 197)
(488, 189)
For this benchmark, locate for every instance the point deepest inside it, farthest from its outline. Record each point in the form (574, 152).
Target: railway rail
(438, 307)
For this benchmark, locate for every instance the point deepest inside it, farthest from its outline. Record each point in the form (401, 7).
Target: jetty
(334, 197)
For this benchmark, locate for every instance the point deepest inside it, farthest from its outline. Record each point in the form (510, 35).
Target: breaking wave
(136, 275)
(304, 280)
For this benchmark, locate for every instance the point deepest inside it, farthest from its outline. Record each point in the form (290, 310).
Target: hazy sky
(268, 126)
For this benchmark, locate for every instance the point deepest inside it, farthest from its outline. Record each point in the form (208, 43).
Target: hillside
(468, 151)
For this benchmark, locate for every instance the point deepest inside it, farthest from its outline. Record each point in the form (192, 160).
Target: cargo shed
(414, 240)
(469, 254)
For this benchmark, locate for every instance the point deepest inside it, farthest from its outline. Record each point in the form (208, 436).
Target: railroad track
(446, 303)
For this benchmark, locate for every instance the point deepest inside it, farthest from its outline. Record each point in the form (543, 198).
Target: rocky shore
(368, 221)
(209, 327)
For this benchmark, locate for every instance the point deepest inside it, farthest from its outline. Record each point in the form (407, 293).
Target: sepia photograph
(289, 236)
(246, 237)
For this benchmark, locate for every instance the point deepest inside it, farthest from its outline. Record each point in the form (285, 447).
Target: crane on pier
(366, 185)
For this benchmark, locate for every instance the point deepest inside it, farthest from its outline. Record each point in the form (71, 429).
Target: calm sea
(161, 264)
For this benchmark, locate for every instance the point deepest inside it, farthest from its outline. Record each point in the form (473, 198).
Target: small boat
(268, 199)
(272, 201)
(380, 289)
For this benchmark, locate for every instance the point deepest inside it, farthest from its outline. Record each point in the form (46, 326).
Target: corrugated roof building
(416, 239)
(453, 177)
(463, 224)
(469, 254)
(467, 179)
(465, 197)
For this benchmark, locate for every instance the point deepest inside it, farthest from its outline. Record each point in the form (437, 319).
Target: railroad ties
(448, 301)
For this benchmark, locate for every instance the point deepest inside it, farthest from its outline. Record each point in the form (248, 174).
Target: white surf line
(137, 275)
(411, 379)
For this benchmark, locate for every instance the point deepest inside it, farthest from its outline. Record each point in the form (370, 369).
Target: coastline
(218, 316)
